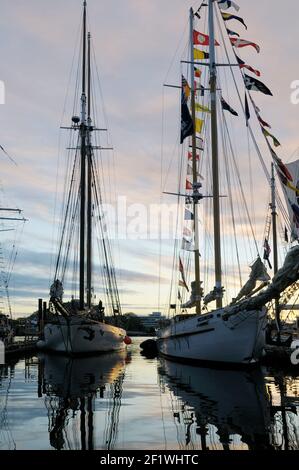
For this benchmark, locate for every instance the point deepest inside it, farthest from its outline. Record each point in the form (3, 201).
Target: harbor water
(126, 401)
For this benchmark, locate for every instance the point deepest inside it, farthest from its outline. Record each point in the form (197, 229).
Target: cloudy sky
(138, 46)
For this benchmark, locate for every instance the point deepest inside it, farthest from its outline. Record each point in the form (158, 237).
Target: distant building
(152, 320)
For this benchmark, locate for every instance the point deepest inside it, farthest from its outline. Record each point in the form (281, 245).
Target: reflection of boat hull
(232, 400)
(70, 386)
(209, 337)
(66, 377)
(77, 336)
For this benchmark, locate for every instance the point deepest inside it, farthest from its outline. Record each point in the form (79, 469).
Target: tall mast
(83, 166)
(215, 163)
(275, 244)
(194, 171)
(89, 189)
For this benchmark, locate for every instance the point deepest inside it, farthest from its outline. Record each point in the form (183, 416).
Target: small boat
(77, 326)
(235, 332)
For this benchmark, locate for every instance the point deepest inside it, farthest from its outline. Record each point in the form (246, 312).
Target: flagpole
(194, 172)
(275, 244)
(215, 163)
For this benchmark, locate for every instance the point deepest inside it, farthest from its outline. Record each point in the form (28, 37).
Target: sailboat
(79, 326)
(232, 333)
(11, 216)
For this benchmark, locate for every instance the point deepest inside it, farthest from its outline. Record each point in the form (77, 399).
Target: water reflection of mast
(282, 421)
(71, 388)
(113, 418)
(6, 373)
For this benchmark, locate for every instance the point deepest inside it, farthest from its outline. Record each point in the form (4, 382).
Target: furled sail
(56, 290)
(292, 197)
(258, 273)
(194, 297)
(215, 294)
(287, 275)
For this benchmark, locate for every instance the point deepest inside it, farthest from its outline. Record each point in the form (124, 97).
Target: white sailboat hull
(82, 337)
(238, 340)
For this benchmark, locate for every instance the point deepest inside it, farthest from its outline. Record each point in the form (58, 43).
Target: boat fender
(127, 340)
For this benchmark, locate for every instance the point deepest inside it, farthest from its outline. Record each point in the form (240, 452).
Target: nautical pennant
(243, 65)
(187, 245)
(200, 107)
(190, 156)
(187, 232)
(280, 164)
(198, 125)
(226, 4)
(257, 110)
(197, 72)
(237, 42)
(229, 16)
(181, 269)
(232, 33)
(262, 122)
(188, 185)
(247, 112)
(188, 215)
(284, 180)
(200, 39)
(187, 127)
(267, 134)
(199, 55)
(186, 88)
(227, 107)
(256, 85)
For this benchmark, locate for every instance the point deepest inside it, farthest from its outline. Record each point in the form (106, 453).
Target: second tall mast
(83, 128)
(215, 158)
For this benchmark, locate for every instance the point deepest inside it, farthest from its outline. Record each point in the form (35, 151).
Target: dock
(20, 348)
(280, 355)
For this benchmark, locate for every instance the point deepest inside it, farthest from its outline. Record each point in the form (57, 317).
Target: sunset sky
(135, 42)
